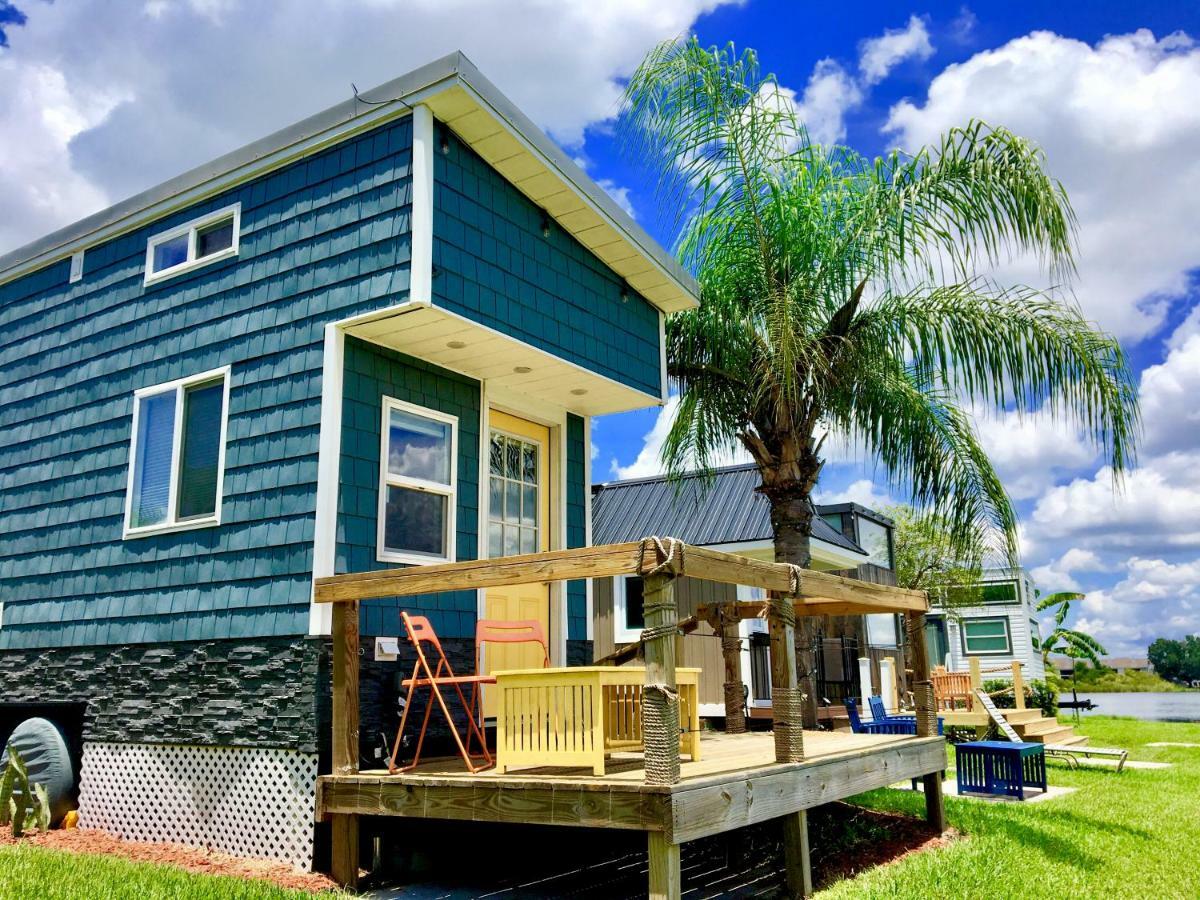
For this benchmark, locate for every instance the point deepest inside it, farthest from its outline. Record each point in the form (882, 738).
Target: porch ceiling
(452, 342)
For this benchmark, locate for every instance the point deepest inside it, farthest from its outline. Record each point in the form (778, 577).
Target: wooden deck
(736, 782)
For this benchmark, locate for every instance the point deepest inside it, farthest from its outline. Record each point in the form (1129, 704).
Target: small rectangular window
(982, 637)
(417, 484)
(195, 243)
(177, 454)
(76, 267)
(628, 607)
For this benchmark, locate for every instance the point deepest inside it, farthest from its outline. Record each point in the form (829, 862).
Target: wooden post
(789, 736)
(798, 861)
(976, 674)
(935, 808)
(660, 698)
(1018, 685)
(731, 653)
(666, 883)
(344, 862)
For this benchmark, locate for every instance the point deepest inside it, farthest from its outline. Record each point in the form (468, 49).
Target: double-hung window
(986, 637)
(196, 243)
(417, 484)
(177, 455)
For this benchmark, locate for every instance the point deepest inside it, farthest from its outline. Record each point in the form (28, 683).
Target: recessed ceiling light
(456, 345)
(578, 392)
(522, 370)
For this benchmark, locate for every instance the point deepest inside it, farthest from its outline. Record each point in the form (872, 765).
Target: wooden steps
(1033, 726)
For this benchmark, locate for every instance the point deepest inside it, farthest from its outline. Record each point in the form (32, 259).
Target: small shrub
(22, 806)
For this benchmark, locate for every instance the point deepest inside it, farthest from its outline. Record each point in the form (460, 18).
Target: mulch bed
(193, 859)
(847, 840)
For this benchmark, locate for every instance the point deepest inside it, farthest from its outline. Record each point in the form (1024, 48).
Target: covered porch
(737, 779)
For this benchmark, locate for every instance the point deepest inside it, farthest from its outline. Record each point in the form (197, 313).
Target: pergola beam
(820, 593)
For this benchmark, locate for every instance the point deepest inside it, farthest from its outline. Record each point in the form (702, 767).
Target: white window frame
(190, 229)
(172, 523)
(1007, 651)
(621, 634)
(386, 479)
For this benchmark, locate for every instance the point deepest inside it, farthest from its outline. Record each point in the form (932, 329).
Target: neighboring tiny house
(727, 513)
(374, 338)
(1002, 629)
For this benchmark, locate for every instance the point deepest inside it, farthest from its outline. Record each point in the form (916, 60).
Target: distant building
(727, 513)
(1001, 629)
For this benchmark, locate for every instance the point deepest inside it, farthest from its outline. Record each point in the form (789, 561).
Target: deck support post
(797, 860)
(660, 692)
(727, 626)
(786, 711)
(666, 882)
(344, 861)
(935, 807)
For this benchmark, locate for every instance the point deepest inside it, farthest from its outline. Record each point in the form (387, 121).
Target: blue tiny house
(375, 338)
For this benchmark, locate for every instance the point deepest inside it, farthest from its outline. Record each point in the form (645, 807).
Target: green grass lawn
(27, 871)
(1133, 835)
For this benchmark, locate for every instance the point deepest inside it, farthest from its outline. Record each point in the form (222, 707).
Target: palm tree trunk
(791, 522)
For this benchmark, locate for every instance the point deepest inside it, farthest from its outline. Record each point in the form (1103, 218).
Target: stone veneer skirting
(257, 692)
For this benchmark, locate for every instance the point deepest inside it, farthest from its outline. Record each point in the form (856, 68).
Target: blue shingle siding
(321, 239)
(577, 499)
(372, 373)
(494, 266)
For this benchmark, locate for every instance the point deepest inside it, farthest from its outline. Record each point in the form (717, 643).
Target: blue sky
(99, 100)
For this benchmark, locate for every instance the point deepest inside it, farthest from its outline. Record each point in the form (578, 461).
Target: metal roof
(426, 84)
(725, 510)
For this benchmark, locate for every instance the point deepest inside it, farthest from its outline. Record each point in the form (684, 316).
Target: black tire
(44, 748)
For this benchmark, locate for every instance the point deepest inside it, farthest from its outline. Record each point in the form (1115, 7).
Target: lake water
(1170, 707)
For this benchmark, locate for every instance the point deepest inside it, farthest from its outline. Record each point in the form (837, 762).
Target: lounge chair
(1068, 752)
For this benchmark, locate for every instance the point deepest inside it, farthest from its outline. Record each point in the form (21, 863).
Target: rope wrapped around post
(787, 700)
(660, 697)
(660, 733)
(735, 698)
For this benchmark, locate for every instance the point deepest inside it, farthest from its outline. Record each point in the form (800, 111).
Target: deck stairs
(1033, 726)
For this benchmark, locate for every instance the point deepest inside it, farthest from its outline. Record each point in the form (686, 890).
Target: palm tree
(839, 297)
(1064, 640)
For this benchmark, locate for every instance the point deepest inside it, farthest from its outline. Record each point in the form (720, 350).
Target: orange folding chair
(499, 631)
(421, 633)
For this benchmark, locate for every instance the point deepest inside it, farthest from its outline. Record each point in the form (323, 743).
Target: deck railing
(791, 592)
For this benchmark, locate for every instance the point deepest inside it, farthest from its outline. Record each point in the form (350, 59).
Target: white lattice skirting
(242, 800)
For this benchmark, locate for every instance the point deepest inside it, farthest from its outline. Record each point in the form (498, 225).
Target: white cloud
(1170, 398)
(878, 56)
(832, 91)
(649, 459)
(1120, 125)
(1060, 574)
(1031, 452)
(619, 194)
(863, 492)
(828, 96)
(108, 99)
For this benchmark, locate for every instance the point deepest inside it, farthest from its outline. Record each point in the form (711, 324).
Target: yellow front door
(518, 522)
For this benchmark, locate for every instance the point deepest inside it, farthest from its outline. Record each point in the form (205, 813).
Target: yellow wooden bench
(576, 716)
